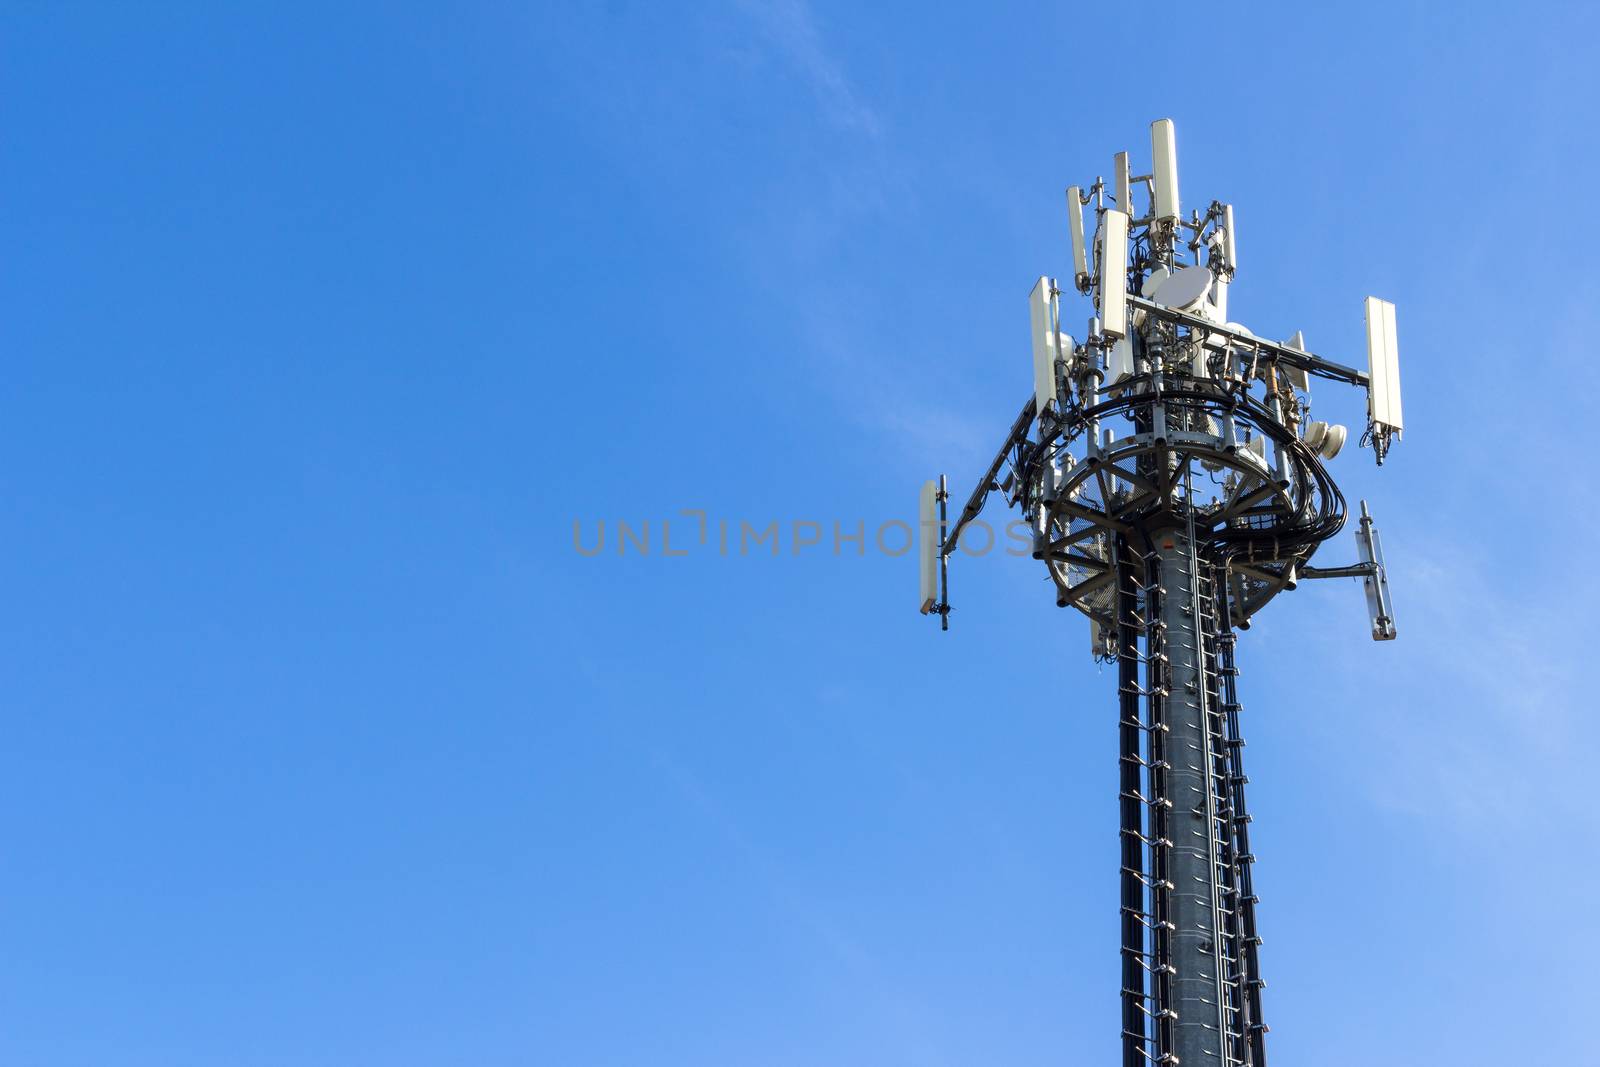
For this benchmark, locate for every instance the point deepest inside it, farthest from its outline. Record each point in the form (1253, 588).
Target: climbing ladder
(1189, 943)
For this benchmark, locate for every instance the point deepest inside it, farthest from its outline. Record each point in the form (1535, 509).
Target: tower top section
(1167, 413)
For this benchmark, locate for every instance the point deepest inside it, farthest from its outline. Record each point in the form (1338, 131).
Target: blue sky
(321, 743)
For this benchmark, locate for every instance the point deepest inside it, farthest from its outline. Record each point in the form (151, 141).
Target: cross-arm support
(1354, 570)
(986, 484)
(1292, 357)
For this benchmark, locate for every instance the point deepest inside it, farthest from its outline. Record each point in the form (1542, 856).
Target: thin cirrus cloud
(791, 27)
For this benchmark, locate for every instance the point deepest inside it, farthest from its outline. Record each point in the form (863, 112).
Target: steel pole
(1195, 907)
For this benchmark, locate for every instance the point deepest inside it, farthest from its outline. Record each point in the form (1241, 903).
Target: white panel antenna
(1164, 175)
(928, 546)
(1080, 257)
(1114, 273)
(1119, 362)
(1230, 241)
(1296, 376)
(1046, 341)
(1123, 175)
(1383, 367)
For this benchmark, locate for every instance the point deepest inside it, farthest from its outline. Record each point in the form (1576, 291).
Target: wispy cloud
(791, 27)
(878, 390)
(848, 191)
(1494, 698)
(1468, 725)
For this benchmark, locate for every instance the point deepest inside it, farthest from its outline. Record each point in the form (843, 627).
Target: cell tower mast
(1175, 483)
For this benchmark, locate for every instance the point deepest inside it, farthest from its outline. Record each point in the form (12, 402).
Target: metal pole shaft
(1198, 980)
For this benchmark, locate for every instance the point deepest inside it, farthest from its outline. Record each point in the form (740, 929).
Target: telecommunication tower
(1175, 483)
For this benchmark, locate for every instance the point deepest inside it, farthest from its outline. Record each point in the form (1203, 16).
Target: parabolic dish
(1184, 288)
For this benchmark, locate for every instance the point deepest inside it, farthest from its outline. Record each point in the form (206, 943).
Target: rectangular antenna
(1297, 376)
(1119, 362)
(1124, 183)
(1164, 172)
(1045, 343)
(1114, 273)
(1383, 366)
(928, 546)
(1230, 243)
(1380, 611)
(1080, 257)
